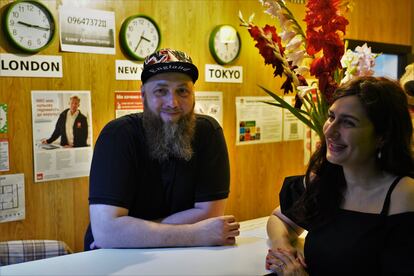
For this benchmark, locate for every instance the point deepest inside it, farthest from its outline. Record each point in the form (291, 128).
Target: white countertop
(247, 257)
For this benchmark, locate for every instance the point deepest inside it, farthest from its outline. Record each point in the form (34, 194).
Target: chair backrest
(13, 252)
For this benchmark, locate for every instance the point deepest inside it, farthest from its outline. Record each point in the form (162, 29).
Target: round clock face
(29, 26)
(225, 44)
(140, 36)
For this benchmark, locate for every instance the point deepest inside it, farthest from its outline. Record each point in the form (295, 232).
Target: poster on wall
(257, 122)
(210, 103)
(4, 155)
(3, 118)
(311, 143)
(127, 102)
(12, 205)
(87, 30)
(62, 134)
(293, 128)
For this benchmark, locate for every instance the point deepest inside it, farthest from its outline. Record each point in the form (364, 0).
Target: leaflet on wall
(86, 30)
(62, 134)
(4, 155)
(127, 102)
(257, 122)
(210, 103)
(12, 205)
(3, 118)
(311, 143)
(293, 128)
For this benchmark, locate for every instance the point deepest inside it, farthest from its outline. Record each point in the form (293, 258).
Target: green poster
(3, 118)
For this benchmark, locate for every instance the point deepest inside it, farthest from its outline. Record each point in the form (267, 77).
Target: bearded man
(161, 178)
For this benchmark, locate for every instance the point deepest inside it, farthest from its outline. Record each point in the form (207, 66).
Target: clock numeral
(11, 22)
(44, 35)
(39, 42)
(29, 42)
(14, 32)
(21, 9)
(15, 14)
(29, 7)
(130, 28)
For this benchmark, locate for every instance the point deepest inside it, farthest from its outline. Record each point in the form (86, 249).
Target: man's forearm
(130, 232)
(186, 217)
(201, 211)
(202, 225)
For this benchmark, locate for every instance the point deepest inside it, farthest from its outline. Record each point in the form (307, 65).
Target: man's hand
(217, 230)
(43, 141)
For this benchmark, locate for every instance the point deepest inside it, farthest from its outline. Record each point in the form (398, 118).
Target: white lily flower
(294, 43)
(287, 35)
(296, 57)
(273, 8)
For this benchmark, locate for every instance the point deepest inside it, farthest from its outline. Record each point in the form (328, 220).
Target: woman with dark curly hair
(357, 198)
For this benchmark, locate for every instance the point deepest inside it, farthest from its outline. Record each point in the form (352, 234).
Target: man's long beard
(169, 139)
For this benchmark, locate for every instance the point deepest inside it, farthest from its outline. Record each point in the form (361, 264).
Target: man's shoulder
(64, 112)
(80, 115)
(207, 122)
(126, 123)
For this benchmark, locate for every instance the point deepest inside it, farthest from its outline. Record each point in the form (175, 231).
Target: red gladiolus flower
(325, 29)
(268, 41)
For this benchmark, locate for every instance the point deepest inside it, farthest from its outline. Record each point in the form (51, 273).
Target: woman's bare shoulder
(402, 198)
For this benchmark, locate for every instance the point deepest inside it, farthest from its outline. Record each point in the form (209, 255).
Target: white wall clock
(139, 36)
(29, 25)
(224, 44)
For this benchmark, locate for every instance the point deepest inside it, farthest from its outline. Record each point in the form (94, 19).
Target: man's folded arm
(113, 228)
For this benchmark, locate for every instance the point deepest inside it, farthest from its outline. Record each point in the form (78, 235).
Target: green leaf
(283, 104)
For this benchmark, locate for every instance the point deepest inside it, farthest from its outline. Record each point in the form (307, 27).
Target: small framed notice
(12, 202)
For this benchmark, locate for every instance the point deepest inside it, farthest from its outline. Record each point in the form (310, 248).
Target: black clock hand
(24, 23)
(140, 39)
(139, 42)
(33, 26)
(40, 28)
(146, 39)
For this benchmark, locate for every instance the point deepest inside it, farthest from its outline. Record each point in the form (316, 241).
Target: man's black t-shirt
(122, 173)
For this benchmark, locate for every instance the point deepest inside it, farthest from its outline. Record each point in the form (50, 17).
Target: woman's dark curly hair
(386, 107)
